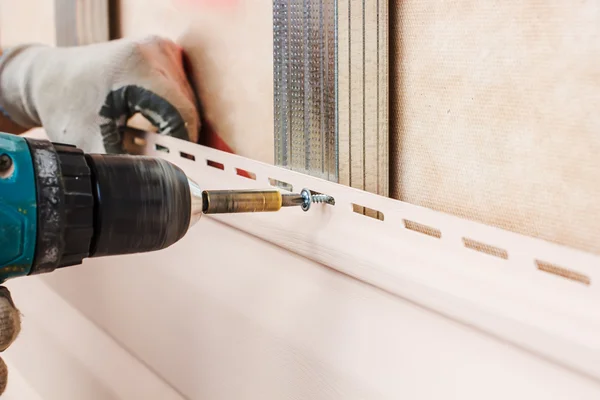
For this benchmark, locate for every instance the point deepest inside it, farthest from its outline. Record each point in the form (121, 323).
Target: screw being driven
(308, 198)
(239, 201)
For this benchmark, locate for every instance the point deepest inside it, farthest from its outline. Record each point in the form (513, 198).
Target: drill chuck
(141, 204)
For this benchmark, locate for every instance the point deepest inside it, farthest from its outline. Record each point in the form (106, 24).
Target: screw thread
(322, 198)
(308, 198)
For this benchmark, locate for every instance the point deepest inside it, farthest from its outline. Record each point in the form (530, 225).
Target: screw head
(307, 199)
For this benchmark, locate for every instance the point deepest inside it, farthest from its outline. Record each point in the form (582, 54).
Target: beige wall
(26, 21)
(496, 113)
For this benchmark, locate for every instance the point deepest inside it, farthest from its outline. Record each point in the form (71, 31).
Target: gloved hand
(10, 326)
(83, 95)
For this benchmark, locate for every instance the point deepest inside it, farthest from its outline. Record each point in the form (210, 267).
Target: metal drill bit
(240, 201)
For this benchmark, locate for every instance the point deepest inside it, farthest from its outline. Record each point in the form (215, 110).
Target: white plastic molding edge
(537, 295)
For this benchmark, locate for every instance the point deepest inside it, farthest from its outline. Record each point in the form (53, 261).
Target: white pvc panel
(225, 315)
(532, 293)
(327, 304)
(60, 354)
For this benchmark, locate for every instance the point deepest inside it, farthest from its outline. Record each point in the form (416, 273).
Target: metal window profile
(331, 90)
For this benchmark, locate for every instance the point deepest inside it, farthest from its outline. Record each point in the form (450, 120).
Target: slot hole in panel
(485, 248)
(133, 143)
(245, 174)
(424, 229)
(188, 156)
(281, 185)
(160, 147)
(215, 164)
(367, 212)
(139, 141)
(562, 272)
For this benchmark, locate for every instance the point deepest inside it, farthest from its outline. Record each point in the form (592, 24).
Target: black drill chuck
(92, 205)
(142, 204)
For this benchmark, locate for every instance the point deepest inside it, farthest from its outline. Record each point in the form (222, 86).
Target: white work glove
(83, 95)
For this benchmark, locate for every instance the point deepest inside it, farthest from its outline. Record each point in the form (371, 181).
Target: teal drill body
(18, 207)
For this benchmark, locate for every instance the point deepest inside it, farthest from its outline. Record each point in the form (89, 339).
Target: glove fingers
(10, 319)
(3, 376)
(171, 111)
(160, 112)
(111, 137)
(168, 80)
(151, 82)
(10, 326)
(123, 103)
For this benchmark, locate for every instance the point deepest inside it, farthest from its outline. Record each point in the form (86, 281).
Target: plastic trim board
(223, 314)
(539, 296)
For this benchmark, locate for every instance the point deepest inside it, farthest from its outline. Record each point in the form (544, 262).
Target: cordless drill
(59, 205)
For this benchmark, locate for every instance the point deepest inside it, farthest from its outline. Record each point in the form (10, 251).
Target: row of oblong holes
(477, 245)
(414, 226)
